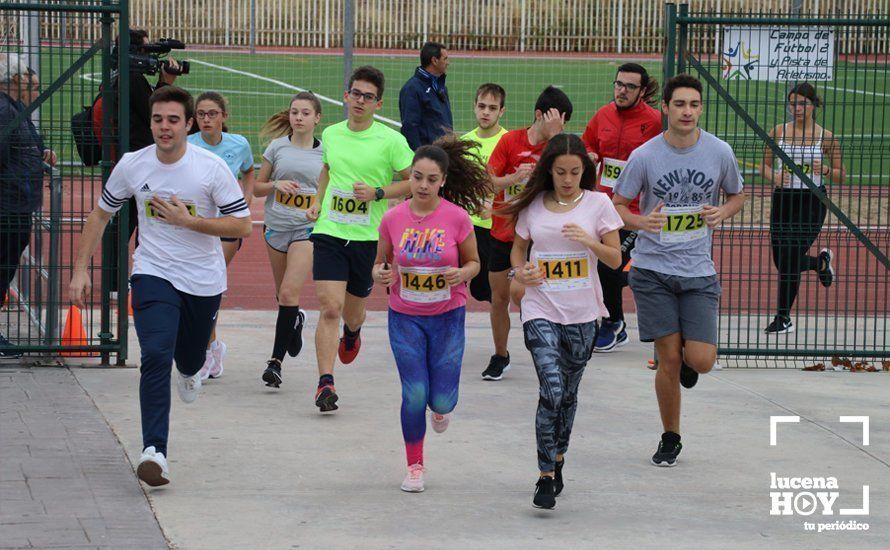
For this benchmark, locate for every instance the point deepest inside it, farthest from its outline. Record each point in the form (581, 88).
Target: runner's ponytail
(466, 182)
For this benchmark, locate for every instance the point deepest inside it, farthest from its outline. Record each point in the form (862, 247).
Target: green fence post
(124, 144)
(670, 39)
(683, 37)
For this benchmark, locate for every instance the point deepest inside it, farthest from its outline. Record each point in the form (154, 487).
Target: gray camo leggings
(560, 353)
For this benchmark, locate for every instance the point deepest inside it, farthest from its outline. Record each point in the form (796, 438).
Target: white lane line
(289, 87)
(863, 92)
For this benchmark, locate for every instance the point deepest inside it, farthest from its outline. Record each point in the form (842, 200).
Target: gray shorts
(669, 303)
(280, 240)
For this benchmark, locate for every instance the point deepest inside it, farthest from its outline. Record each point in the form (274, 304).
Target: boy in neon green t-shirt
(360, 158)
(488, 108)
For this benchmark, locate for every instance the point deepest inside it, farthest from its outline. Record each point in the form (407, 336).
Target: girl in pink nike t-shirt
(425, 256)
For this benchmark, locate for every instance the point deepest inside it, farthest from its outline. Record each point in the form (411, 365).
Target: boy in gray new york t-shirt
(680, 177)
(683, 180)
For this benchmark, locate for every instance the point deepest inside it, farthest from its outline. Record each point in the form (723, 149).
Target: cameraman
(140, 91)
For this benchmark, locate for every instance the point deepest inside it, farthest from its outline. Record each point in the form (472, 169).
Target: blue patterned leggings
(560, 353)
(428, 350)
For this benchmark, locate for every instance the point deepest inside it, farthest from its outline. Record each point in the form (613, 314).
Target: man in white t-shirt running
(179, 272)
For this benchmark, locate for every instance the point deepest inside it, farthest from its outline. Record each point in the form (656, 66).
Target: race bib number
(152, 215)
(345, 208)
(564, 270)
(611, 170)
(805, 168)
(289, 203)
(513, 190)
(516, 188)
(424, 285)
(684, 224)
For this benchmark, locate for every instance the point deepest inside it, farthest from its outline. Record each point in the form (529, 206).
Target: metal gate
(69, 46)
(748, 64)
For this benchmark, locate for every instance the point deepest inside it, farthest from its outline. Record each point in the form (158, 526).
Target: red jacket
(613, 134)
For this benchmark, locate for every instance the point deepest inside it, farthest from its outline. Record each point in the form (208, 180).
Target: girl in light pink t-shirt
(425, 256)
(563, 228)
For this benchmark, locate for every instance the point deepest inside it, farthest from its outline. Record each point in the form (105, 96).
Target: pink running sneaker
(218, 349)
(413, 482)
(205, 371)
(439, 421)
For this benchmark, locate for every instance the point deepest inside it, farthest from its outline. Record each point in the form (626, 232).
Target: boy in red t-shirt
(510, 165)
(611, 136)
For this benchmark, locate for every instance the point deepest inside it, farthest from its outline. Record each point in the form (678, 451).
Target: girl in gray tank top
(797, 215)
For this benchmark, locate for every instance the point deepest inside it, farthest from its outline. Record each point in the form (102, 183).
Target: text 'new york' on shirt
(684, 180)
(192, 262)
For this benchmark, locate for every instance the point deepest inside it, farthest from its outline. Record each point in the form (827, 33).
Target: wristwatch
(511, 274)
(379, 193)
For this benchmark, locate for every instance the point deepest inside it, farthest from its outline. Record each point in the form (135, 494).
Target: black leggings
(614, 280)
(795, 222)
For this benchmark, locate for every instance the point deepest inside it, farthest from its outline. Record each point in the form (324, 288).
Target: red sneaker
(326, 398)
(348, 349)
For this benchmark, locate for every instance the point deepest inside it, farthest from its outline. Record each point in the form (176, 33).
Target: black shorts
(336, 259)
(239, 240)
(499, 256)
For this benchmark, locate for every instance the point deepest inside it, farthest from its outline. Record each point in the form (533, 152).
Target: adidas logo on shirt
(145, 188)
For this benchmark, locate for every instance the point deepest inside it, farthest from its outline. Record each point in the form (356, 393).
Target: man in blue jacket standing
(423, 100)
(22, 155)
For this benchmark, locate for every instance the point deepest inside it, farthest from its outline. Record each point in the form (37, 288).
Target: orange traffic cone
(74, 333)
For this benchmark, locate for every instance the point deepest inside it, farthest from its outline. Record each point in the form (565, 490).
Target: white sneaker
(152, 468)
(188, 386)
(439, 421)
(413, 482)
(205, 371)
(218, 349)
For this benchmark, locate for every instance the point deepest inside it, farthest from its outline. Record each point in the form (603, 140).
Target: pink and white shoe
(218, 350)
(204, 373)
(413, 482)
(439, 421)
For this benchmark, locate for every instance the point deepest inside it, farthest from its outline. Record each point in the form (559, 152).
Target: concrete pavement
(253, 467)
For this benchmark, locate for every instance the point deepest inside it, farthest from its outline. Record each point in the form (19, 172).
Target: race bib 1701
(345, 208)
(424, 285)
(300, 201)
(564, 270)
(684, 224)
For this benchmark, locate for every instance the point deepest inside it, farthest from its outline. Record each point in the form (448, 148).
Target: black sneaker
(11, 352)
(826, 270)
(666, 457)
(688, 376)
(296, 341)
(780, 325)
(326, 398)
(272, 374)
(544, 493)
(557, 478)
(497, 366)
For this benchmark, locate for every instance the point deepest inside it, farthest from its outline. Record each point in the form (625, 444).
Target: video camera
(146, 59)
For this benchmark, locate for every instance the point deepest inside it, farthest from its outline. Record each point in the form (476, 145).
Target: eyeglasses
(208, 114)
(629, 87)
(358, 94)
